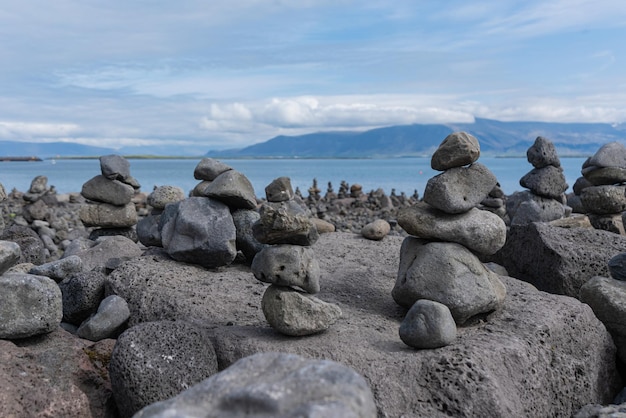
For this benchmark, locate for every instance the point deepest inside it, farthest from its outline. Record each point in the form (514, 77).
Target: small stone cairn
(545, 200)
(441, 279)
(288, 263)
(601, 190)
(109, 197)
(210, 226)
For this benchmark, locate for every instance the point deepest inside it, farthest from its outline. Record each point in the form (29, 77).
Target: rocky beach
(334, 301)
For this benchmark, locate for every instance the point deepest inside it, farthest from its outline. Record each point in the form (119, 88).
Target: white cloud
(29, 130)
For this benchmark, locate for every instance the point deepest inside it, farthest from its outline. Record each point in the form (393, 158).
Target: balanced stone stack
(207, 228)
(545, 200)
(288, 263)
(109, 208)
(603, 192)
(441, 279)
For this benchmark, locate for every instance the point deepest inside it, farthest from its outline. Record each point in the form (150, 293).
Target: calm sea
(402, 174)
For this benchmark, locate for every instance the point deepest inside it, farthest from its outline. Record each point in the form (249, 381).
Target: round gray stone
(288, 265)
(456, 150)
(428, 324)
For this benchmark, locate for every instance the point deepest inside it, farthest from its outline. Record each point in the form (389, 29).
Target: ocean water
(402, 174)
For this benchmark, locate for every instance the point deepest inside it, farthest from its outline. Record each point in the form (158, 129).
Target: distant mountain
(495, 137)
(51, 149)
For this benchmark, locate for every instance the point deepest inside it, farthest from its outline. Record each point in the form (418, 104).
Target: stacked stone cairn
(210, 226)
(545, 200)
(441, 279)
(288, 263)
(109, 195)
(602, 189)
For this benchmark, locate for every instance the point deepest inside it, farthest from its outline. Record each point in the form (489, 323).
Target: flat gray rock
(106, 248)
(456, 150)
(447, 273)
(547, 181)
(107, 215)
(612, 154)
(288, 265)
(58, 270)
(232, 188)
(558, 260)
(604, 199)
(273, 385)
(209, 168)
(29, 305)
(479, 230)
(428, 324)
(101, 189)
(155, 361)
(598, 176)
(291, 312)
(459, 189)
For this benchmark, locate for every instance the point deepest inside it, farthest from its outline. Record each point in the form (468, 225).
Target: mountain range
(496, 139)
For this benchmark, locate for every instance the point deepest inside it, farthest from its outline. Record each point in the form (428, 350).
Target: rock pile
(109, 208)
(209, 227)
(288, 263)
(601, 190)
(545, 200)
(438, 261)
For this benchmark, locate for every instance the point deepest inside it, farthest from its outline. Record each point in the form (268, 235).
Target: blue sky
(201, 75)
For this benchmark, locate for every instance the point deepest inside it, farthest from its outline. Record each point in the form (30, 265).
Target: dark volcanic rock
(558, 260)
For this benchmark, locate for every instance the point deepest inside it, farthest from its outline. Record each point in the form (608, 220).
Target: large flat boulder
(558, 260)
(540, 355)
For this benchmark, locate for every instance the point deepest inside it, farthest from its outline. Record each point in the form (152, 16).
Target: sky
(202, 75)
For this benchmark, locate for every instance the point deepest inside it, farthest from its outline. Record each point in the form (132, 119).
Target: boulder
(55, 375)
(459, 189)
(558, 260)
(29, 305)
(447, 273)
(199, 230)
(479, 230)
(456, 150)
(288, 265)
(155, 361)
(612, 154)
(294, 313)
(276, 385)
(428, 324)
(498, 367)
